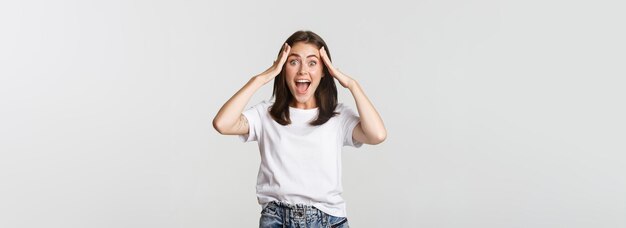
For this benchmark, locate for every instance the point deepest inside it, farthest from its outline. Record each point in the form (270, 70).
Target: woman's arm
(229, 120)
(371, 129)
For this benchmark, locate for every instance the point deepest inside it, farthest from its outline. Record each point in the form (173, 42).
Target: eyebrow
(296, 55)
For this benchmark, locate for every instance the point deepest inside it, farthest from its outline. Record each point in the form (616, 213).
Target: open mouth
(302, 85)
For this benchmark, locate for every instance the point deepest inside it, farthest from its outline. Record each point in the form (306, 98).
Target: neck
(310, 104)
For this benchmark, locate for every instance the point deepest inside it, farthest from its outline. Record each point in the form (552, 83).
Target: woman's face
(303, 71)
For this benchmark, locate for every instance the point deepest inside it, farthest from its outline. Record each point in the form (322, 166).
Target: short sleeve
(253, 115)
(349, 120)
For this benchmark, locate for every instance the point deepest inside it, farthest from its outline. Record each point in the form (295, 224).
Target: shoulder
(263, 105)
(260, 109)
(344, 109)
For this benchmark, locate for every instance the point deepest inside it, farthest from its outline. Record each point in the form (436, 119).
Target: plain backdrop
(499, 113)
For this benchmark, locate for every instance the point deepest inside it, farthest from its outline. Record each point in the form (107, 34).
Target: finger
(284, 54)
(282, 51)
(325, 57)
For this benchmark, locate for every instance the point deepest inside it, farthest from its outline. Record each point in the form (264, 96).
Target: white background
(499, 113)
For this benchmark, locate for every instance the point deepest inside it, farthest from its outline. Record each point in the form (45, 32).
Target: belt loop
(285, 216)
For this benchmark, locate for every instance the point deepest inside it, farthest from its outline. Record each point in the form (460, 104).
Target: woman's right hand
(275, 69)
(229, 120)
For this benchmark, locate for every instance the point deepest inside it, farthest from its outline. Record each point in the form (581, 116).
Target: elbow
(379, 138)
(218, 126)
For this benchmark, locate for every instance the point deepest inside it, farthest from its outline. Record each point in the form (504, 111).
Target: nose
(302, 70)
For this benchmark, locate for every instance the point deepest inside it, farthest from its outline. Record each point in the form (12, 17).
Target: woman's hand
(275, 69)
(229, 120)
(343, 79)
(370, 128)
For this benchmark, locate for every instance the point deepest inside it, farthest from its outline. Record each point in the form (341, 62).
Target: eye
(312, 63)
(293, 62)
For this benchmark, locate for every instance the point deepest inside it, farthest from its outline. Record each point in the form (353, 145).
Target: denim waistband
(294, 211)
(297, 215)
(292, 206)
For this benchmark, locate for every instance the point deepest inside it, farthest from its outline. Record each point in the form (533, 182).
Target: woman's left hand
(343, 79)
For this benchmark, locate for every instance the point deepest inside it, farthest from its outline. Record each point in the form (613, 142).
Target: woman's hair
(325, 94)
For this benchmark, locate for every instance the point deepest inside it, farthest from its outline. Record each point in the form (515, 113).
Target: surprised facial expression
(303, 71)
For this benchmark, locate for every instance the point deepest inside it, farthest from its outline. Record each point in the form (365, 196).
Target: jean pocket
(338, 222)
(270, 210)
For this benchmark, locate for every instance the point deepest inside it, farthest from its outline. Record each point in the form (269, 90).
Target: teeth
(303, 80)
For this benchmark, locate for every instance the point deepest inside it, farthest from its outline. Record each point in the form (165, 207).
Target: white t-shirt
(300, 163)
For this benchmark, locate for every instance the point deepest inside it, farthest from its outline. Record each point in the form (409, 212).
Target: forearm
(231, 111)
(371, 122)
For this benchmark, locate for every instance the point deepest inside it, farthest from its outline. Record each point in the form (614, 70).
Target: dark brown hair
(325, 94)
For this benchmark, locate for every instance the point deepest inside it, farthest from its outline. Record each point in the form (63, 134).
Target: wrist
(263, 78)
(259, 80)
(352, 85)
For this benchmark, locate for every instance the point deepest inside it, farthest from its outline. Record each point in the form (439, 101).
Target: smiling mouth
(302, 86)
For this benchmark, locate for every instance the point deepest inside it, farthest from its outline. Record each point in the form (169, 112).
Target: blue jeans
(279, 214)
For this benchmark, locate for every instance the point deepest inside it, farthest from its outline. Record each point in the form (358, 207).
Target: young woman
(301, 133)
